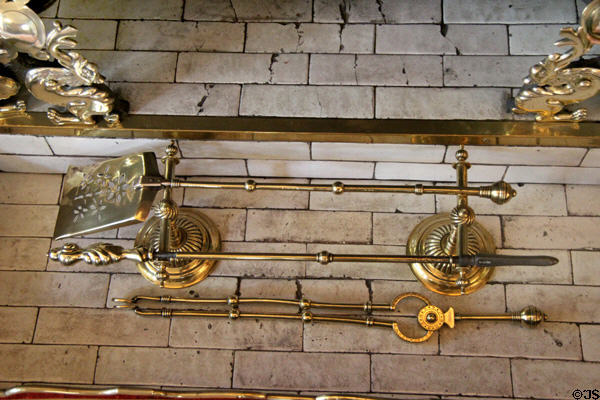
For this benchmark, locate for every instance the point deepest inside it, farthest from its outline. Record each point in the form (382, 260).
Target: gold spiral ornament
(195, 233)
(431, 237)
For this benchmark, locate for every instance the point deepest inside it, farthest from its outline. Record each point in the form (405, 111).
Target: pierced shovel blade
(104, 196)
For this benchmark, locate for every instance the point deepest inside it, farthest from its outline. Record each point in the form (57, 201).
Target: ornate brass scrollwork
(74, 85)
(552, 84)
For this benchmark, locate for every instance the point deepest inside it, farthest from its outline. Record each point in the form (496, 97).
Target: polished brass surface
(74, 84)
(175, 249)
(148, 239)
(454, 234)
(430, 317)
(121, 191)
(105, 196)
(407, 131)
(196, 232)
(105, 392)
(552, 84)
(499, 192)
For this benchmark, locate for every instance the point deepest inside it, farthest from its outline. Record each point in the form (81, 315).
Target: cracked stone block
(18, 188)
(97, 326)
(376, 70)
(317, 226)
(478, 39)
(307, 101)
(223, 68)
(23, 144)
(17, 324)
(441, 374)
(558, 378)
(509, 12)
(180, 98)
(552, 232)
(66, 289)
(385, 11)
(40, 363)
(575, 303)
(24, 253)
(249, 10)
(505, 339)
(442, 103)
(592, 158)
(163, 366)
(590, 340)
(583, 200)
(585, 267)
(486, 70)
(572, 175)
(91, 34)
(412, 39)
(357, 38)
(122, 9)
(308, 371)
(182, 36)
(293, 38)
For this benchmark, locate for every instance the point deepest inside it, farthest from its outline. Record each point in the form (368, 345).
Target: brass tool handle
(324, 257)
(96, 254)
(106, 253)
(499, 192)
(529, 316)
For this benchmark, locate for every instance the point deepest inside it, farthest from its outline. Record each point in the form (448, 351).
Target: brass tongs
(430, 317)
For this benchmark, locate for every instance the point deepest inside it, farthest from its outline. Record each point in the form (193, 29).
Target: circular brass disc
(431, 311)
(440, 277)
(198, 233)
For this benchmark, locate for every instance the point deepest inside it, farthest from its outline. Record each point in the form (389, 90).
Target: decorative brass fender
(72, 83)
(451, 254)
(552, 84)
(431, 318)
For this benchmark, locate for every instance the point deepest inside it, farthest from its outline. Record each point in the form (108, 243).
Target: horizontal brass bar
(408, 131)
(323, 257)
(236, 301)
(88, 393)
(485, 317)
(337, 187)
(368, 322)
(235, 314)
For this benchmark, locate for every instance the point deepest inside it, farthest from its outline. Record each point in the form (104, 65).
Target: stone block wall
(423, 59)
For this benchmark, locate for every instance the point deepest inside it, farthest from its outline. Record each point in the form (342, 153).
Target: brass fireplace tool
(450, 254)
(430, 317)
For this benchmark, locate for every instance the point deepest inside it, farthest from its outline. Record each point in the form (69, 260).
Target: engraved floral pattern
(99, 190)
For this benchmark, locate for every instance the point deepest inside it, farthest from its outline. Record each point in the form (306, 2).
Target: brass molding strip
(74, 392)
(445, 132)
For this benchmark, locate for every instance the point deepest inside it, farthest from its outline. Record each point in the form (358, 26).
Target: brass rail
(500, 192)
(324, 257)
(408, 131)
